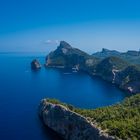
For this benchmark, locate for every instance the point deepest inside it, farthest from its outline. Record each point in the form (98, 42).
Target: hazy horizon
(90, 25)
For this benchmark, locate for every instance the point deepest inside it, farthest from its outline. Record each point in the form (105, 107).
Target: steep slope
(122, 120)
(67, 56)
(69, 124)
(130, 56)
(129, 79)
(109, 66)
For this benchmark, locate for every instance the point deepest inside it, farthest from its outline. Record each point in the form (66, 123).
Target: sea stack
(35, 64)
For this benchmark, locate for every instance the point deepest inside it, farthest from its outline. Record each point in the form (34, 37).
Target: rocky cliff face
(130, 56)
(129, 79)
(109, 66)
(68, 57)
(69, 125)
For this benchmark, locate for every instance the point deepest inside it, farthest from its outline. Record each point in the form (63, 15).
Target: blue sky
(38, 25)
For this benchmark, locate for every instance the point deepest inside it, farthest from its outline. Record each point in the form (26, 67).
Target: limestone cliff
(69, 125)
(65, 56)
(129, 79)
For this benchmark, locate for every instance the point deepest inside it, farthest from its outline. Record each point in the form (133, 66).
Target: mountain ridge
(131, 56)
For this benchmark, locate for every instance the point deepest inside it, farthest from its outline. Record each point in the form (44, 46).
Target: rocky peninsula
(120, 121)
(69, 124)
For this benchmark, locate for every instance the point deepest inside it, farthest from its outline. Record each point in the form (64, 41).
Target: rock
(35, 64)
(68, 124)
(129, 79)
(68, 57)
(108, 67)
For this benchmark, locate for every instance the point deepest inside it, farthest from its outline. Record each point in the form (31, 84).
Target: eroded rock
(68, 124)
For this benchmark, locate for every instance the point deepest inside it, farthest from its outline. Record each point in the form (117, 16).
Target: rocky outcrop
(68, 124)
(68, 57)
(35, 64)
(129, 79)
(108, 68)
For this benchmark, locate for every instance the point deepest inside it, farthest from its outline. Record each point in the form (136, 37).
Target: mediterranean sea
(22, 89)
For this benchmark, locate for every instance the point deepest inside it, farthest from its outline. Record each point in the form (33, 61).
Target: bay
(22, 89)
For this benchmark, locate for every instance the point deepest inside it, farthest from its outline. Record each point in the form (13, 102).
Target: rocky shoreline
(68, 124)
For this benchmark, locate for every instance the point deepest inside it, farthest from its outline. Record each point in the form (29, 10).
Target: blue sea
(21, 90)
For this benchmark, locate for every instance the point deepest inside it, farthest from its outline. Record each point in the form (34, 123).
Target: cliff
(65, 56)
(120, 121)
(113, 69)
(68, 124)
(109, 66)
(129, 79)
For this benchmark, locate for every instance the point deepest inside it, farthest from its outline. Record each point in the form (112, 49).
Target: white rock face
(69, 125)
(64, 50)
(89, 62)
(114, 71)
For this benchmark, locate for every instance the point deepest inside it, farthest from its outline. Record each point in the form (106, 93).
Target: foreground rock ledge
(69, 125)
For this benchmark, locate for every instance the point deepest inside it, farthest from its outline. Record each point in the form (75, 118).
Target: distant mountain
(106, 53)
(130, 56)
(112, 66)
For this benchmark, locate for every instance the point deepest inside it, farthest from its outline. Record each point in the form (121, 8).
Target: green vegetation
(132, 57)
(121, 120)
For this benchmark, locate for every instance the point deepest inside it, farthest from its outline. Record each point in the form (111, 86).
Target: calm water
(22, 89)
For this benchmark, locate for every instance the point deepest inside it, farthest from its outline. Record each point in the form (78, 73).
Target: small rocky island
(35, 64)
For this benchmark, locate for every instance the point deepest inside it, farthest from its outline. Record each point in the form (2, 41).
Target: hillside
(129, 56)
(121, 120)
(108, 67)
(68, 57)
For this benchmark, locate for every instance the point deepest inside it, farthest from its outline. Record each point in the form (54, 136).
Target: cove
(21, 90)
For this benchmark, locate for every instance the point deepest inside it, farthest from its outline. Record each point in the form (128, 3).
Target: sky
(39, 25)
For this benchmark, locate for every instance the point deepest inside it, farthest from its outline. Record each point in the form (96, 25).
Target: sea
(21, 90)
